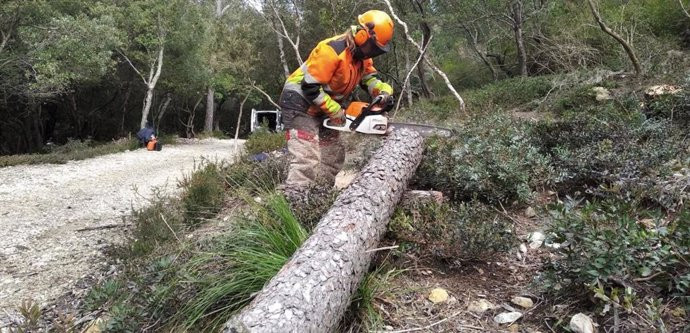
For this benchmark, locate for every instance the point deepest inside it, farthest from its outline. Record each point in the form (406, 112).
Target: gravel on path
(50, 214)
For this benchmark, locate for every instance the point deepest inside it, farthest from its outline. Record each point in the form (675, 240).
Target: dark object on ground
(314, 288)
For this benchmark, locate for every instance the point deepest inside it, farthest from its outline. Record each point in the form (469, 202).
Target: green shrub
(227, 277)
(264, 141)
(508, 93)
(203, 193)
(491, 158)
(610, 151)
(614, 243)
(254, 177)
(73, 150)
(465, 231)
(155, 224)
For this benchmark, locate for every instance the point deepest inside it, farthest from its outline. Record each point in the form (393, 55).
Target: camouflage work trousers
(316, 153)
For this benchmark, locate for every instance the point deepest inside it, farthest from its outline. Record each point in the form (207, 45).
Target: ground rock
(507, 317)
(530, 212)
(602, 94)
(536, 239)
(524, 302)
(438, 295)
(581, 323)
(480, 306)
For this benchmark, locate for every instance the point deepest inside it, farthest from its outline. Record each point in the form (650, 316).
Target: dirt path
(48, 214)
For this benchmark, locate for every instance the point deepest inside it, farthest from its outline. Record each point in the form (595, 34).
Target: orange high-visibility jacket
(330, 74)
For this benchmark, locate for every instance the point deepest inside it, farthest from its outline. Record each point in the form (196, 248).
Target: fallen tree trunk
(312, 291)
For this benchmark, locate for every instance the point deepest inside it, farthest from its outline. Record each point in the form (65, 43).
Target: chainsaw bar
(423, 130)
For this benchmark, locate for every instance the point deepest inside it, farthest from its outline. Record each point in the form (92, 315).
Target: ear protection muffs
(360, 35)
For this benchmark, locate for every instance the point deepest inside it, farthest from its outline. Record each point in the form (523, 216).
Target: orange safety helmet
(376, 26)
(380, 23)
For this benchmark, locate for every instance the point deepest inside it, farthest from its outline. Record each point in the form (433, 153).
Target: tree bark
(239, 122)
(312, 291)
(150, 85)
(517, 16)
(426, 60)
(474, 42)
(628, 49)
(210, 108)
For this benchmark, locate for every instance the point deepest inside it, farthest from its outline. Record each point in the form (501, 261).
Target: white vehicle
(272, 118)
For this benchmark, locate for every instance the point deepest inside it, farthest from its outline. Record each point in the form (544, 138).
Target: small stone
(530, 212)
(257, 199)
(523, 302)
(647, 223)
(438, 295)
(523, 248)
(536, 239)
(581, 323)
(602, 94)
(678, 312)
(480, 306)
(95, 326)
(507, 317)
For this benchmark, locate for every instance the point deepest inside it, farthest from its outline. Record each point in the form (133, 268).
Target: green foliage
(363, 314)
(100, 295)
(155, 224)
(73, 150)
(264, 141)
(612, 149)
(203, 194)
(508, 93)
(253, 177)
(465, 231)
(609, 242)
(243, 261)
(490, 158)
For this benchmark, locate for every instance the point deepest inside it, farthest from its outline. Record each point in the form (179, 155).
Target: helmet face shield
(370, 49)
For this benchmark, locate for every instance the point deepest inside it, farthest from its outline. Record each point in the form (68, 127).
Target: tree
(626, 46)
(150, 27)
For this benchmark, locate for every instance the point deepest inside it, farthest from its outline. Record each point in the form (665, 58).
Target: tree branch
(407, 77)
(685, 11)
(133, 67)
(628, 49)
(251, 82)
(421, 50)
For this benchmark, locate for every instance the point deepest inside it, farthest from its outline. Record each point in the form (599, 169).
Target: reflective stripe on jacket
(330, 74)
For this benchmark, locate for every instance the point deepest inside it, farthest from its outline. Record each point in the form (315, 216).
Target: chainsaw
(370, 118)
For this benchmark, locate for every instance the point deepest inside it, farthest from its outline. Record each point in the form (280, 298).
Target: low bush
(626, 256)
(490, 158)
(255, 177)
(222, 279)
(73, 150)
(465, 231)
(155, 224)
(264, 141)
(203, 193)
(612, 150)
(508, 93)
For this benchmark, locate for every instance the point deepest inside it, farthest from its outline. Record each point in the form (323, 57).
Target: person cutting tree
(320, 88)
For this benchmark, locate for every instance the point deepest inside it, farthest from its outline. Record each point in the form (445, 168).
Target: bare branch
(255, 87)
(685, 11)
(419, 48)
(133, 67)
(407, 77)
(295, 43)
(626, 46)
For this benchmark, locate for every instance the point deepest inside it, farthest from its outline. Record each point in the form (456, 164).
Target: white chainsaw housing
(372, 124)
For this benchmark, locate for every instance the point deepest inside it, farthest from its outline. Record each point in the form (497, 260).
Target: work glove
(338, 118)
(387, 102)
